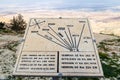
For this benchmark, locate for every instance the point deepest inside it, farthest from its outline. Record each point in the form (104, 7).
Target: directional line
(53, 41)
(71, 37)
(80, 36)
(75, 41)
(56, 38)
(58, 35)
(67, 43)
(68, 38)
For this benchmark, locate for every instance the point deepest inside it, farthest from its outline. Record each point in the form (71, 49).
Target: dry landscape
(106, 28)
(102, 21)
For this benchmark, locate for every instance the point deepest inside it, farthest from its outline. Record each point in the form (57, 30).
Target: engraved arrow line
(53, 41)
(75, 41)
(59, 37)
(68, 38)
(80, 35)
(65, 41)
(71, 37)
(68, 44)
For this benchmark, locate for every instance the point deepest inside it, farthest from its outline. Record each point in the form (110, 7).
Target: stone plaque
(58, 47)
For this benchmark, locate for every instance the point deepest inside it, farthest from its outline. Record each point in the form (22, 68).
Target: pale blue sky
(12, 6)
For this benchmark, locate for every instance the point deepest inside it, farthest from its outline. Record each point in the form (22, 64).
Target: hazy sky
(13, 6)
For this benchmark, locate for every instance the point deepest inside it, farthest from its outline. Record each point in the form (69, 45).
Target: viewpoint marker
(58, 46)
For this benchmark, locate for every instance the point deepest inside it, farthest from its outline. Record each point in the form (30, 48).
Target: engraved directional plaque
(58, 47)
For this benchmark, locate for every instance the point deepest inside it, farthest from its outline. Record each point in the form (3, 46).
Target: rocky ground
(8, 46)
